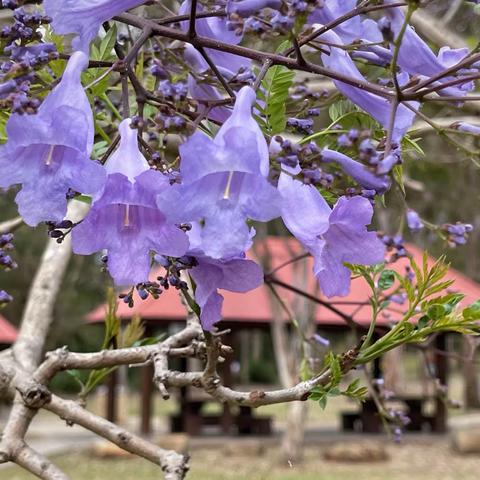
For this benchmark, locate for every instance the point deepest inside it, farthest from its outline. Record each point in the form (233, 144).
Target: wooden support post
(441, 367)
(147, 394)
(111, 403)
(227, 419)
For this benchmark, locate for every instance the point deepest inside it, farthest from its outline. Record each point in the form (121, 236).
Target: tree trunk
(392, 366)
(470, 376)
(292, 441)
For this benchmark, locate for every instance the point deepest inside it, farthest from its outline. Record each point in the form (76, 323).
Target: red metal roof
(8, 333)
(255, 307)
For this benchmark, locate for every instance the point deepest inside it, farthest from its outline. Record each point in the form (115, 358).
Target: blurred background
(341, 441)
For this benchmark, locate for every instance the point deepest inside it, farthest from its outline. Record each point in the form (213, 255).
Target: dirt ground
(419, 458)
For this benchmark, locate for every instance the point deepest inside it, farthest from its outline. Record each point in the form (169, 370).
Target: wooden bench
(368, 420)
(190, 419)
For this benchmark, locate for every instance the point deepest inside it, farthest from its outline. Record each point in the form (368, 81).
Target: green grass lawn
(428, 458)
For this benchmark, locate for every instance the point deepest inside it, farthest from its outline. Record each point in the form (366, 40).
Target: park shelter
(254, 309)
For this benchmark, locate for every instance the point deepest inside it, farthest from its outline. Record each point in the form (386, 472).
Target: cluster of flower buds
(144, 290)
(395, 245)
(6, 245)
(265, 17)
(291, 155)
(301, 125)
(27, 52)
(59, 230)
(301, 92)
(6, 262)
(173, 267)
(173, 92)
(457, 234)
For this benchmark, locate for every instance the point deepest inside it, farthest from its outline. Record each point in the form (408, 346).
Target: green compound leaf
(275, 86)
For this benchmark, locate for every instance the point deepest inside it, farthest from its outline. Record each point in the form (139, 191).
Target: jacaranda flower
(379, 108)
(224, 182)
(235, 274)
(467, 127)
(216, 28)
(245, 8)
(331, 236)
(48, 153)
(417, 58)
(125, 219)
(84, 17)
(359, 172)
(204, 91)
(330, 10)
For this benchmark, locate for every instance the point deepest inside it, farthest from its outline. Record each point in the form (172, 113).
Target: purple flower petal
(84, 17)
(331, 236)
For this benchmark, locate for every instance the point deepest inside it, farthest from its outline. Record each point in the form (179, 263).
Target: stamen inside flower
(49, 156)
(126, 220)
(226, 193)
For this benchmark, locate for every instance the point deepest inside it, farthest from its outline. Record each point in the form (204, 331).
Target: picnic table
(367, 419)
(192, 417)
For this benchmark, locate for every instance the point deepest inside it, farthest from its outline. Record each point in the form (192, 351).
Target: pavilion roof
(8, 333)
(256, 307)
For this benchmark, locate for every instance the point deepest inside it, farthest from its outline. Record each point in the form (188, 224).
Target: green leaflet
(274, 94)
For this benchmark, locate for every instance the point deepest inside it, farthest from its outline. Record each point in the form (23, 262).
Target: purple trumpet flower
(467, 127)
(204, 91)
(216, 28)
(224, 181)
(125, 219)
(237, 274)
(331, 236)
(359, 172)
(330, 10)
(84, 17)
(417, 58)
(48, 153)
(245, 8)
(379, 108)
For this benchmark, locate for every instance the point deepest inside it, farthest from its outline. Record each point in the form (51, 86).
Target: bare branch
(37, 316)
(9, 226)
(174, 465)
(36, 463)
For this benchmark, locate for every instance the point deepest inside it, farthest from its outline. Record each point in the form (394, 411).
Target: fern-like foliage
(273, 98)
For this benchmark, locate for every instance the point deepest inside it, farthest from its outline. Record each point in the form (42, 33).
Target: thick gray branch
(174, 465)
(10, 225)
(38, 313)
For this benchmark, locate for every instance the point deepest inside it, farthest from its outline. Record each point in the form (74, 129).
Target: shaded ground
(215, 458)
(428, 458)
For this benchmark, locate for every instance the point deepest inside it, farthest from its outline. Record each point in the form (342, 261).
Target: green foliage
(386, 280)
(355, 391)
(274, 95)
(427, 313)
(97, 77)
(114, 337)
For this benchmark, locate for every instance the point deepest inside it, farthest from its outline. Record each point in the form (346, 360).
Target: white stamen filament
(126, 220)
(48, 158)
(226, 193)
